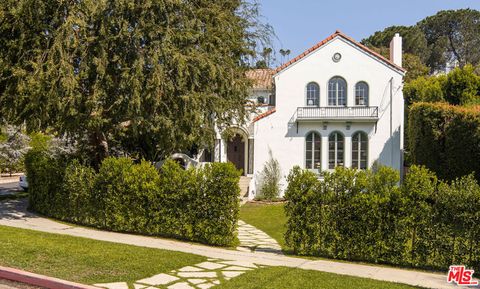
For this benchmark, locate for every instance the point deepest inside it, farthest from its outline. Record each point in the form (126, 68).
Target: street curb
(39, 280)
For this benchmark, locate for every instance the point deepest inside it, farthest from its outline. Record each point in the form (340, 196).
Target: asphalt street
(9, 188)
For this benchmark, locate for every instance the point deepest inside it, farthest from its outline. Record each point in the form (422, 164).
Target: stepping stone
(117, 285)
(160, 279)
(237, 268)
(216, 282)
(210, 265)
(198, 274)
(190, 269)
(240, 263)
(139, 286)
(197, 281)
(205, 286)
(183, 285)
(232, 274)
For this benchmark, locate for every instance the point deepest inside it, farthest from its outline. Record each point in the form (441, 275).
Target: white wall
(278, 131)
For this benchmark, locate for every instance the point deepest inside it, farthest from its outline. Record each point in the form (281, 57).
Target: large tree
(452, 35)
(148, 77)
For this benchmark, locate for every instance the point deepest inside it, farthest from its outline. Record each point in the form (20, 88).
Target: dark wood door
(236, 152)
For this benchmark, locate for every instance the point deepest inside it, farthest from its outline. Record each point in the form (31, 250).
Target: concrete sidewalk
(13, 213)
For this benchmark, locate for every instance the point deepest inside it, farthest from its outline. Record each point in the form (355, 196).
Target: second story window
(361, 93)
(337, 91)
(313, 94)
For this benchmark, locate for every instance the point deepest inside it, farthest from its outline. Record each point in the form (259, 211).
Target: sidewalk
(13, 213)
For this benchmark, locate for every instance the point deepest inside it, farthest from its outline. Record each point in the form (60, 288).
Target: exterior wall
(281, 134)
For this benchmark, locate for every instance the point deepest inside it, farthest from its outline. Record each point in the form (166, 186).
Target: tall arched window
(361, 93)
(313, 94)
(337, 91)
(336, 145)
(360, 151)
(313, 148)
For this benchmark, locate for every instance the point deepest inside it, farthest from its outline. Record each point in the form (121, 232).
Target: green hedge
(198, 204)
(445, 139)
(367, 216)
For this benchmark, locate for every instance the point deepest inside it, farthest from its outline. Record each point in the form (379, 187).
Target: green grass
(269, 218)
(84, 260)
(289, 278)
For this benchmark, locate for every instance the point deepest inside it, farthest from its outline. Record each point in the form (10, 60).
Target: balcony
(338, 113)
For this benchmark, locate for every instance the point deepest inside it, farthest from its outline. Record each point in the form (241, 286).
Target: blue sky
(299, 24)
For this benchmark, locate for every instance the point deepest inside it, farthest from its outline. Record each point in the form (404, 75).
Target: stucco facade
(283, 128)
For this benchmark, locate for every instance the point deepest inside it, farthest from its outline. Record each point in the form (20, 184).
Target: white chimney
(396, 50)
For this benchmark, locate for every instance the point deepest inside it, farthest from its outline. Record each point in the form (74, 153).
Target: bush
(269, 180)
(198, 205)
(365, 215)
(445, 139)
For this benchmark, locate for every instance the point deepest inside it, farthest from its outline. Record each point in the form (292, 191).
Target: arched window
(336, 144)
(360, 151)
(361, 93)
(313, 151)
(313, 94)
(337, 91)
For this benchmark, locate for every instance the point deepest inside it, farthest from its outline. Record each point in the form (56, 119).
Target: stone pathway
(199, 276)
(254, 240)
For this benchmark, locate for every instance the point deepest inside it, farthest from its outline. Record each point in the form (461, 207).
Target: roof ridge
(328, 39)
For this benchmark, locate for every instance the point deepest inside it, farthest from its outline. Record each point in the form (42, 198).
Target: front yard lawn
(289, 278)
(269, 218)
(84, 260)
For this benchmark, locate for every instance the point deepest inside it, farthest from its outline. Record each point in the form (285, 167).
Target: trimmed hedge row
(200, 205)
(445, 139)
(366, 216)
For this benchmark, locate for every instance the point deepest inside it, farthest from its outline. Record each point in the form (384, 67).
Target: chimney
(396, 50)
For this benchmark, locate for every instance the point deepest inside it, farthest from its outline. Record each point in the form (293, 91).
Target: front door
(236, 152)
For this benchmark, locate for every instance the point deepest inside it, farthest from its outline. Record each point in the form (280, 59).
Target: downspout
(391, 121)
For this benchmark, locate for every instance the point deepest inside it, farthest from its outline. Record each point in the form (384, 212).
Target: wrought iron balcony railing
(338, 113)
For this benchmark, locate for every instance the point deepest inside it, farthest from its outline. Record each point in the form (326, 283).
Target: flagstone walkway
(200, 276)
(252, 239)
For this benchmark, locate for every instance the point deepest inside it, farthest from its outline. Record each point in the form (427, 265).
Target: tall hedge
(365, 215)
(198, 204)
(445, 139)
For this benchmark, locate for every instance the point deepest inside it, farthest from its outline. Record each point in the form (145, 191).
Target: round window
(337, 57)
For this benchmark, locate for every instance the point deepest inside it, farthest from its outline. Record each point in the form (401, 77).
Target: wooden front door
(236, 152)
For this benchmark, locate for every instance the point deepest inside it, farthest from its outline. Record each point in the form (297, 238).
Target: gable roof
(338, 33)
(262, 78)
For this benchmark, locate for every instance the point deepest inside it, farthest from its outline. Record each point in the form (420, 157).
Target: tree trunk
(100, 148)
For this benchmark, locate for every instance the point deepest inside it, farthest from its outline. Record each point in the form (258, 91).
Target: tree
(414, 66)
(425, 89)
(285, 53)
(145, 77)
(414, 41)
(452, 35)
(463, 86)
(13, 147)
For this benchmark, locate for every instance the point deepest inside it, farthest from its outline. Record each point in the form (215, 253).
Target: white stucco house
(337, 104)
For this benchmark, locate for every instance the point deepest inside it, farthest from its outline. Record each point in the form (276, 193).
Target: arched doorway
(236, 152)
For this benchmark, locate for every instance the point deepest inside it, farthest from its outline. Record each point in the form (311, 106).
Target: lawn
(269, 218)
(289, 278)
(84, 260)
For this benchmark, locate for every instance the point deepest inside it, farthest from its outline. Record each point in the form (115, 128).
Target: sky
(300, 24)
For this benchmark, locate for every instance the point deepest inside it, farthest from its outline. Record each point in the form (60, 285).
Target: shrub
(445, 139)
(269, 180)
(366, 215)
(199, 205)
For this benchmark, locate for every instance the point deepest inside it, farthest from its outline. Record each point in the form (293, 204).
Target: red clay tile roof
(263, 78)
(264, 115)
(331, 37)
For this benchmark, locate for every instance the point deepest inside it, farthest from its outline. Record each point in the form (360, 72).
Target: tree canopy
(144, 77)
(446, 38)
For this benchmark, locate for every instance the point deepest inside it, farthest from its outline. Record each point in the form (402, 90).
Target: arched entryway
(236, 152)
